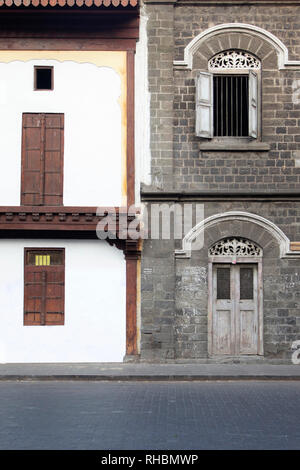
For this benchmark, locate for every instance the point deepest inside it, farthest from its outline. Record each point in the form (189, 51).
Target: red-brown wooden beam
(130, 130)
(61, 218)
(57, 25)
(132, 255)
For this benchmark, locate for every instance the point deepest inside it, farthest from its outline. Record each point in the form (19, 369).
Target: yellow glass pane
(44, 258)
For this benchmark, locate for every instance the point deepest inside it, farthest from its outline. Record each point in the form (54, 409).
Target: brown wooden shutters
(42, 159)
(44, 287)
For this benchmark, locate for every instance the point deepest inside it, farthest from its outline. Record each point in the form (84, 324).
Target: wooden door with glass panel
(44, 283)
(235, 309)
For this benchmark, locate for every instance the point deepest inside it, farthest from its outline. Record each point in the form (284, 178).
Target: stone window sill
(235, 146)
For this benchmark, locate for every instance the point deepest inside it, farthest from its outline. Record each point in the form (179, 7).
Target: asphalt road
(149, 415)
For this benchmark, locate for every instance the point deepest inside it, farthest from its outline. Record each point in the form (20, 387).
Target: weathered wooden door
(44, 279)
(235, 309)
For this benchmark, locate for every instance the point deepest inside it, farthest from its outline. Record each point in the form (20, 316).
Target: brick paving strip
(148, 371)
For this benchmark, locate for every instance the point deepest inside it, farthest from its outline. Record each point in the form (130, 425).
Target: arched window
(227, 96)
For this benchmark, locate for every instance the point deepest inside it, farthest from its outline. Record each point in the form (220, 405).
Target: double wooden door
(235, 309)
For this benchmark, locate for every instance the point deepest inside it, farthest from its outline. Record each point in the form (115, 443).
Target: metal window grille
(231, 105)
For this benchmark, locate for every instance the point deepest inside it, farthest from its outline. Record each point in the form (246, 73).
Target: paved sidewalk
(147, 371)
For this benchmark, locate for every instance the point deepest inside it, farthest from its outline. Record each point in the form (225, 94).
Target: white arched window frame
(231, 63)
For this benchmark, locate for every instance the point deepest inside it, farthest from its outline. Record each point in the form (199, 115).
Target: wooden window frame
(208, 103)
(60, 267)
(40, 67)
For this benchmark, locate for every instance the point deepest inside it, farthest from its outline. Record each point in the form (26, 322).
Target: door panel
(247, 309)
(248, 332)
(223, 283)
(54, 125)
(223, 317)
(222, 332)
(235, 309)
(246, 283)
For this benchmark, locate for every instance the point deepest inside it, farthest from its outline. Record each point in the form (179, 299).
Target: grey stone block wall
(160, 31)
(174, 291)
(158, 300)
(281, 290)
(276, 169)
(177, 160)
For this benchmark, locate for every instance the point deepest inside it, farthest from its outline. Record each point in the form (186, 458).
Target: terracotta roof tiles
(70, 3)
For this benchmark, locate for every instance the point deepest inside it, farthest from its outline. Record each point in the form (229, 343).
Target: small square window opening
(43, 78)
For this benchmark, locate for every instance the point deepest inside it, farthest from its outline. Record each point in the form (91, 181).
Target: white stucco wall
(95, 306)
(88, 95)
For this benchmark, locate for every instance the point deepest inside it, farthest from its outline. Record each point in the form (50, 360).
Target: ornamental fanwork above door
(235, 246)
(234, 60)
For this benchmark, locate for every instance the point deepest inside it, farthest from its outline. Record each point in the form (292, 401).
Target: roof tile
(70, 3)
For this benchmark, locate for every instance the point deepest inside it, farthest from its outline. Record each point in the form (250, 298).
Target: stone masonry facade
(258, 177)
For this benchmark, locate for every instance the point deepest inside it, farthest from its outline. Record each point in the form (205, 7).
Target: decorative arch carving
(204, 41)
(235, 246)
(233, 59)
(197, 231)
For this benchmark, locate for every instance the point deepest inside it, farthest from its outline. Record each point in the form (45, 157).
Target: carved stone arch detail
(235, 246)
(246, 37)
(192, 240)
(233, 59)
(225, 41)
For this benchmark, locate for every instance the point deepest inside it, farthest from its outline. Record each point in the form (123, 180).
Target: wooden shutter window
(44, 287)
(253, 116)
(42, 159)
(204, 105)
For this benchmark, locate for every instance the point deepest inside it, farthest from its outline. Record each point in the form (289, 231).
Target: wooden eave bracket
(132, 249)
